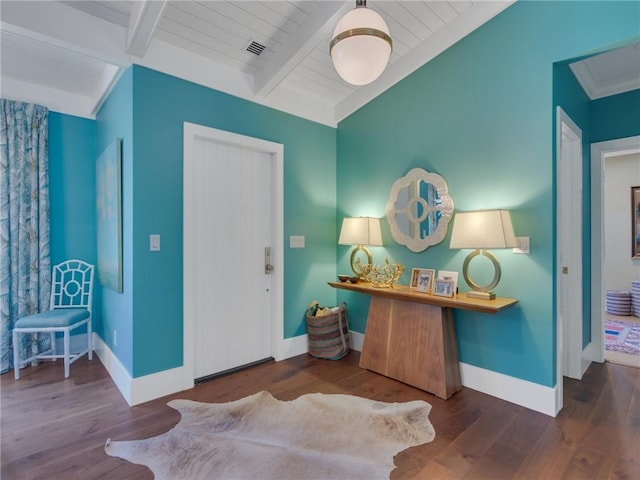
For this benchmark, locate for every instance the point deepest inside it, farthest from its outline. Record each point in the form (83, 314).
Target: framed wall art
(109, 216)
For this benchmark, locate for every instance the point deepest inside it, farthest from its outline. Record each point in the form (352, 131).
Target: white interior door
(229, 229)
(569, 228)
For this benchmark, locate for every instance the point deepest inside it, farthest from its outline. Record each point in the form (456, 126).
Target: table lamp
(482, 230)
(360, 231)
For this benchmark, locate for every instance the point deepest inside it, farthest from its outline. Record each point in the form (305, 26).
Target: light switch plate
(523, 245)
(296, 241)
(154, 243)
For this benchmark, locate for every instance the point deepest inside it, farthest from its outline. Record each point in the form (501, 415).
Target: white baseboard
(291, 347)
(515, 390)
(592, 353)
(142, 389)
(357, 339)
(521, 392)
(149, 387)
(116, 370)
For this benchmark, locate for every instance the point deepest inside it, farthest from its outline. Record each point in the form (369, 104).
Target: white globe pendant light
(361, 45)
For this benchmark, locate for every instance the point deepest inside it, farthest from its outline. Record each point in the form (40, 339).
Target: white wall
(621, 173)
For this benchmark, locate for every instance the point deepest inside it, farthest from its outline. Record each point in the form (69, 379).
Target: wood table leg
(414, 343)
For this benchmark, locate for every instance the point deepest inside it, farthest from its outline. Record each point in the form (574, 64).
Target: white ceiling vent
(255, 47)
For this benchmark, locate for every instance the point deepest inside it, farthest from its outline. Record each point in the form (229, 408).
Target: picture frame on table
(415, 274)
(635, 222)
(443, 287)
(425, 280)
(447, 275)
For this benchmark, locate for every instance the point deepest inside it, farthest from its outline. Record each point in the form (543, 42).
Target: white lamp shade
(360, 59)
(360, 231)
(483, 230)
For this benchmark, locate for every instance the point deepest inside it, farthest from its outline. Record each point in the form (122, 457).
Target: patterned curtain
(25, 266)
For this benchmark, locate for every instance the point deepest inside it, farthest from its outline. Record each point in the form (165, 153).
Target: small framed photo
(445, 275)
(443, 288)
(415, 274)
(425, 280)
(635, 222)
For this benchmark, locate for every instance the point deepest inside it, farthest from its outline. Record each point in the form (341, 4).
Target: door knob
(268, 267)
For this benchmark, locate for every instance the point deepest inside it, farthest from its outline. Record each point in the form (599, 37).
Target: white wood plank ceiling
(70, 53)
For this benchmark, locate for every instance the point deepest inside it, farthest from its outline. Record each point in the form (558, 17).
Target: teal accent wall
(481, 114)
(115, 120)
(72, 187)
(72, 193)
(617, 116)
(161, 104)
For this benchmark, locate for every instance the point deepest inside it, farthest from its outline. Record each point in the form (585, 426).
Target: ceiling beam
(317, 27)
(72, 29)
(144, 18)
(108, 80)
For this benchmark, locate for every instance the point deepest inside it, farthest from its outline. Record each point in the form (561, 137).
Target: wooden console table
(410, 335)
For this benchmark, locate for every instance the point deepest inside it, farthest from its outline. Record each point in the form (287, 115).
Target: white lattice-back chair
(69, 308)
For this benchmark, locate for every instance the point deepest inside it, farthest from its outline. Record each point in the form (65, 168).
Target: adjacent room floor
(618, 357)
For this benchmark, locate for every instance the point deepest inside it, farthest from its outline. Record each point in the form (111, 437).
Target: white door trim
(599, 152)
(191, 133)
(569, 330)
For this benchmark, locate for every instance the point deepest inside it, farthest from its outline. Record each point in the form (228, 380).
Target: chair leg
(90, 339)
(66, 354)
(53, 344)
(16, 356)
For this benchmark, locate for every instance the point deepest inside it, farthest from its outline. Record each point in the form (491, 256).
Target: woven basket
(328, 334)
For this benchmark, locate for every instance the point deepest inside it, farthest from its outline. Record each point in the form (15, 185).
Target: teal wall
(481, 114)
(146, 110)
(161, 103)
(72, 193)
(617, 116)
(72, 187)
(114, 120)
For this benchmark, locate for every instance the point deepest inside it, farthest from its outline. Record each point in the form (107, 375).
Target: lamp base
(357, 266)
(481, 291)
(481, 295)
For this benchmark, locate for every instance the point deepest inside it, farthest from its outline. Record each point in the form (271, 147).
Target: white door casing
(226, 176)
(599, 153)
(569, 246)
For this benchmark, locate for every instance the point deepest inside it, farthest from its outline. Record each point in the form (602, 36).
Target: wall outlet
(154, 242)
(523, 245)
(115, 338)
(296, 241)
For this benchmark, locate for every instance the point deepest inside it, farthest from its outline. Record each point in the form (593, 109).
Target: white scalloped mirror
(419, 210)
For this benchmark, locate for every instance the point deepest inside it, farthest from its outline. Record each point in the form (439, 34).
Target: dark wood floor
(56, 429)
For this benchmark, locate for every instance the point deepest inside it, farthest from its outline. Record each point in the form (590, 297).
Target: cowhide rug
(259, 437)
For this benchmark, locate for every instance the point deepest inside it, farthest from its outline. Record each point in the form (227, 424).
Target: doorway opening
(603, 157)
